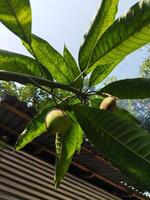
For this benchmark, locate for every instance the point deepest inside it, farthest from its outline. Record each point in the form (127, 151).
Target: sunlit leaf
(79, 137)
(100, 73)
(124, 36)
(66, 145)
(71, 63)
(16, 16)
(13, 62)
(104, 18)
(51, 59)
(79, 133)
(34, 129)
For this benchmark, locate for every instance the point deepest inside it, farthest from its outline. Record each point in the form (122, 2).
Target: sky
(65, 22)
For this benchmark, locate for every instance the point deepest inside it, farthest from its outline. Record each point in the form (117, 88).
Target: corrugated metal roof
(89, 165)
(25, 177)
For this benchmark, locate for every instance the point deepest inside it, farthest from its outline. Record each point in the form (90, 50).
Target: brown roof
(24, 177)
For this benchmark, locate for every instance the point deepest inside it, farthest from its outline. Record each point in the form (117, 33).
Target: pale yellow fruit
(109, 103)
(57, 121)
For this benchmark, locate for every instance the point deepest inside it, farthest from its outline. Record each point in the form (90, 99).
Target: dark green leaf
(34, 129)
(71, 63)
(16, 16)
(138, 88)
(124, 36)
(66, 145)
(104, 18)
(124, 143)
(51, 59)
(124, 114)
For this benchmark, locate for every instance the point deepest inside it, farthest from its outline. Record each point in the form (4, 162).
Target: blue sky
(65, 22)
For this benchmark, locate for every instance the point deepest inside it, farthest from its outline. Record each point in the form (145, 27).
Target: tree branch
(25, 78)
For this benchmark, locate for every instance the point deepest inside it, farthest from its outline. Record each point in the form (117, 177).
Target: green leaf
(79, 137)
(79, 134)
(16, 16)
(137, 88)
(66, 145)
(124, 36)
(51, 59)
(34, 129)
(101, 72)
(71, 63)
(13, 62)
(104, 18)
(124, 143)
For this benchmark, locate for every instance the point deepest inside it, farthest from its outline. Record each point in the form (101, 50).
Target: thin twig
(53, 95)
(44, 89)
